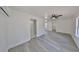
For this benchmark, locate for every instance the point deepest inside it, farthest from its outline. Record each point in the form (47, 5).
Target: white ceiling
(40, 11)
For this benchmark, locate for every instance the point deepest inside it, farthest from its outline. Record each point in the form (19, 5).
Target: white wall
(64, 26)
(18, 28)
(15, 30)
(3, 32)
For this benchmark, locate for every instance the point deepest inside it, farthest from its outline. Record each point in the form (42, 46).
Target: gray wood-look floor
(50, 42)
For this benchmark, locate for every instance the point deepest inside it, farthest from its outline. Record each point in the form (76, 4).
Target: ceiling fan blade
(59, 15)
(4, 11)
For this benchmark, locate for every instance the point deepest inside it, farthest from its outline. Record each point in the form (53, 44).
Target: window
(77, 27)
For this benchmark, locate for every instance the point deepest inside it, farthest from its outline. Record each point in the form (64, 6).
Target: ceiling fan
(53, 16)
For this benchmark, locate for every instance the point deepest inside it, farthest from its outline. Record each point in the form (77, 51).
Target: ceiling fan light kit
(54, 16)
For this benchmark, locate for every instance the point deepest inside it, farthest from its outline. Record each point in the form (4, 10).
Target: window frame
(77, 27)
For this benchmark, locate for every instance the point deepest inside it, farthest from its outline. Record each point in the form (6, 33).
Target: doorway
(33, 28)
(53, 25)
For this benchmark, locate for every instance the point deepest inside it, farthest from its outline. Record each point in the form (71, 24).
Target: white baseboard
(17, 44)
(76, 40)
(25, 41)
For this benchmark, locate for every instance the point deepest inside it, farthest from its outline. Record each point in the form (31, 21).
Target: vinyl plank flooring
(50, 42)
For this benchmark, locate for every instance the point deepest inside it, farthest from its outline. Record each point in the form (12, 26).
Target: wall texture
(3, 32)
(64, 26)
(18, 28)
